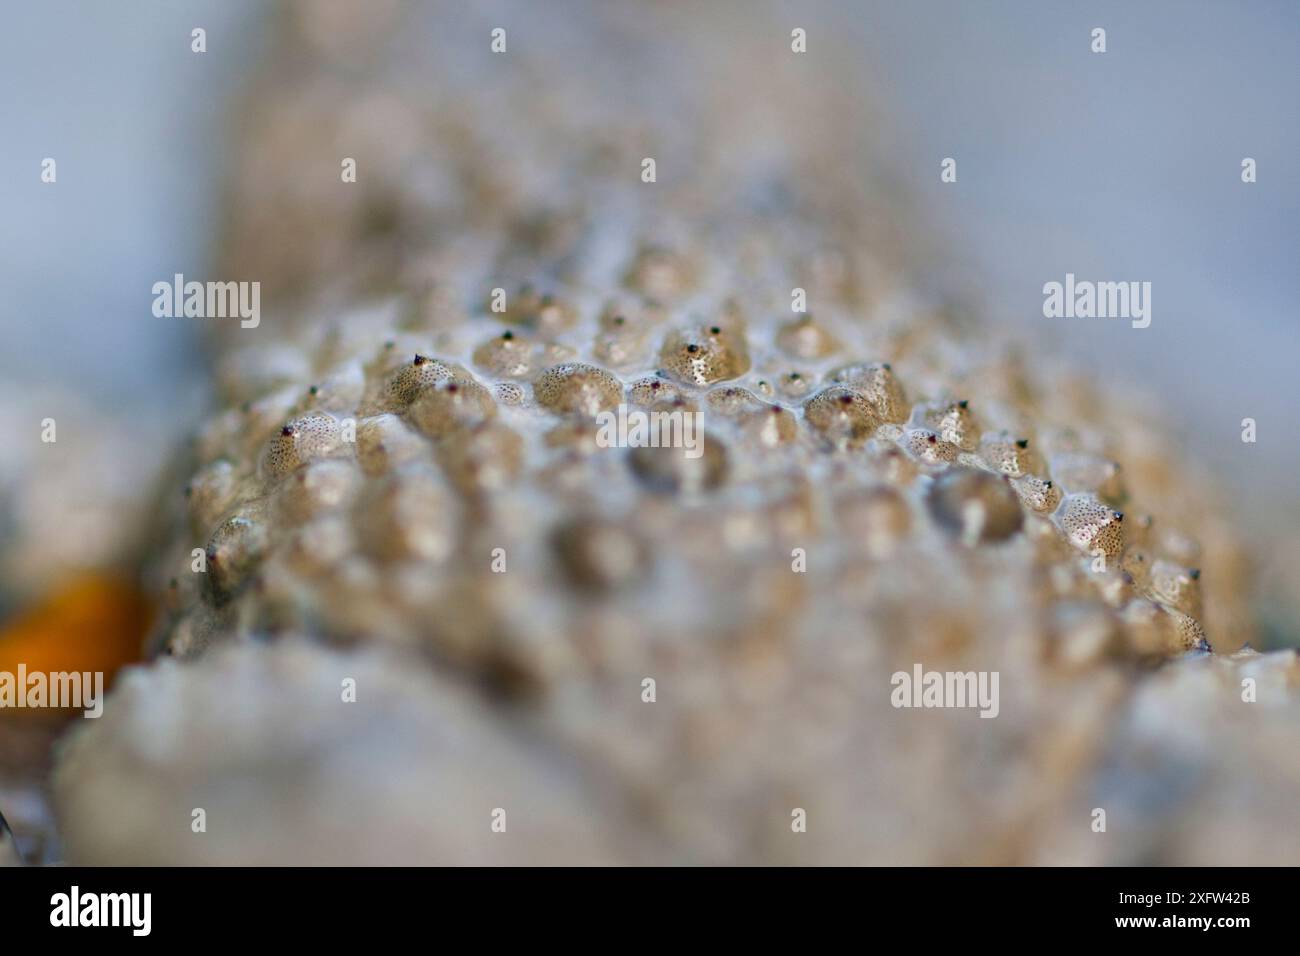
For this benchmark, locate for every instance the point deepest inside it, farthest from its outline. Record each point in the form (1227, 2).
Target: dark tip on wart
(1194, 574)
(1023, 443)
(1119, 516)
(453, 387)
(963, 404)
(931, 439)
(507, 335)
(286, 431)
(714, 330)
(846, 399)
(1047, 484)
(887, 367)
(313, 390)
(419, 359)
(692, 348)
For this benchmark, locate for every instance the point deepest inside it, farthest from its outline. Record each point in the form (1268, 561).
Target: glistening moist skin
(638, 655)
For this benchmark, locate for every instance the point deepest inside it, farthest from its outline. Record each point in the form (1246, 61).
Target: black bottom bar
(372, 905)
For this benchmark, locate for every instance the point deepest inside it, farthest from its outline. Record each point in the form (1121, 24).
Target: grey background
(1117, 166)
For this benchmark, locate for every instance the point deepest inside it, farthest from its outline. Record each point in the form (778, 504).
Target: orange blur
(94, 622)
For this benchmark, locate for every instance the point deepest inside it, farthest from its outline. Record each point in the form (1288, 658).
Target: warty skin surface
(956, 502)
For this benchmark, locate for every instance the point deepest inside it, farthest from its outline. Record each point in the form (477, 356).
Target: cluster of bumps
(368, 470)
(405, 489)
